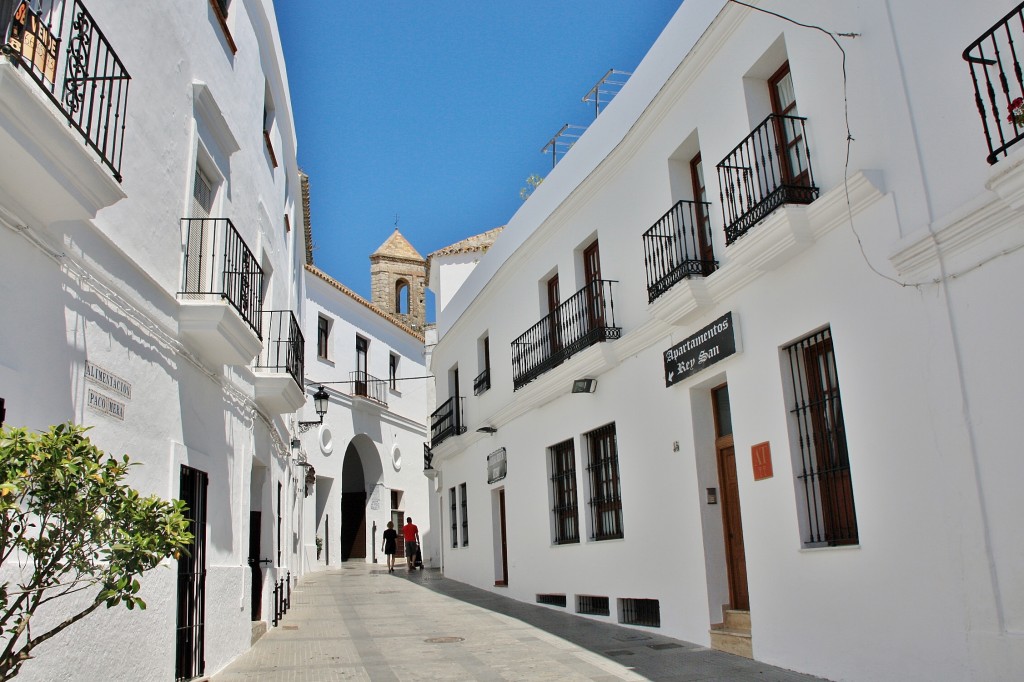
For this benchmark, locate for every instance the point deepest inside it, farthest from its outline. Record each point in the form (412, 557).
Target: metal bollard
(277, 602)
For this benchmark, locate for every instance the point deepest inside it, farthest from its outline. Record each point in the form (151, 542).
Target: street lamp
(320, 402)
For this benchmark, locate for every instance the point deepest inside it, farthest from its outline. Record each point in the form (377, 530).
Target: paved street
(361, 623)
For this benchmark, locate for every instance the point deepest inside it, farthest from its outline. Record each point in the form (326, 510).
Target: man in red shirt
(412, 541)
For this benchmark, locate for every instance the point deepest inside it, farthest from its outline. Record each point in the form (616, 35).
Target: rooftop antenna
(396, 222)
(606, 88)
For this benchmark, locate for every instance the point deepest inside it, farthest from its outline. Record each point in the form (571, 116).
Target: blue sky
(437, 111)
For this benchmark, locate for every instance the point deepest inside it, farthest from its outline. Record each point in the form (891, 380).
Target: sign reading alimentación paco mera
(711, 344)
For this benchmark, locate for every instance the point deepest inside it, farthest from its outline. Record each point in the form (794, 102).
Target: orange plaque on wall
(761, 454)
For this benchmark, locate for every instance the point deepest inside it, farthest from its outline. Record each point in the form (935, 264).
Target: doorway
(500, 540)
(732, 521)
(353, 506)
(190, 640)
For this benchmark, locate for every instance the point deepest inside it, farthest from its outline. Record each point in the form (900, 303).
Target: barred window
(465, 515)
(455, 517)
(605, 496)
(563, 489)
(824, 467)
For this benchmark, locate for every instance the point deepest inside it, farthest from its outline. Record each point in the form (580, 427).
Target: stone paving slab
(362, 623)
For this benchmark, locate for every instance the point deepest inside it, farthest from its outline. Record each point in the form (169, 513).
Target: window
(360, 380)
(465, 515)
(454, 516)
(605, 499)
(793, 162)
(563, 493)
(482, 383)
(393, 372)
(824, 467)
(268, 124)
(402, 297)
(323, 335)
(703, 220)
(220, 10)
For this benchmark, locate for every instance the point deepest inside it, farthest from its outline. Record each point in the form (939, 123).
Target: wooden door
(703, 221)
(732, 521)
(554, 331)
(504, 545)
(595, 294)
(792, 154)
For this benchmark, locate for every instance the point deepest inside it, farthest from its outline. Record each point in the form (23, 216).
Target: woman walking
(390, 535)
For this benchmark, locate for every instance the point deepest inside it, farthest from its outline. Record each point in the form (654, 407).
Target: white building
(785, 285)
(368, 453)
(151, 281)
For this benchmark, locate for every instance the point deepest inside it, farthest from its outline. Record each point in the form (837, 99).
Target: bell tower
(398, 275)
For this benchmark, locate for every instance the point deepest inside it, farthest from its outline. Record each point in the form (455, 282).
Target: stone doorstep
(733, 634)
(259, 628)
(738, 643)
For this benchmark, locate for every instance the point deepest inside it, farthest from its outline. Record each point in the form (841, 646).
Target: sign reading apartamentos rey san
(714, 342)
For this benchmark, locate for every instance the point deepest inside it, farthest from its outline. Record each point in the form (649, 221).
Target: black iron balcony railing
(768, 169)
(586, 318)
(86, 80)
(218, 264)
(284, 346)
(673, 247)
(482, 382)
(446, 421)
(368, 386)
(998, 77)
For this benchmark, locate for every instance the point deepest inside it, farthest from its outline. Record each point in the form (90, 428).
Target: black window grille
(824, 467)
(640, 612)
(280, 520)
(563, 490)
(592, 606)
(284, 347)
(551, 599)
(465, 514)
(605, 496)
(190, 633)
(455, 517)
(323, 330)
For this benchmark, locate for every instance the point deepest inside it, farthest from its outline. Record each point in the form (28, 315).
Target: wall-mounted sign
(714, 342)
(761, 455)
(496, 465)
(108, 380)
(108, 406)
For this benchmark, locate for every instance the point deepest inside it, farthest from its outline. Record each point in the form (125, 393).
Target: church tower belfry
(398, 275)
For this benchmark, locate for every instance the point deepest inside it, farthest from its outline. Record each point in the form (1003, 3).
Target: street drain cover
(444, 640)
(666, 645)
(630, 637)
(289, 627)
(619, 652)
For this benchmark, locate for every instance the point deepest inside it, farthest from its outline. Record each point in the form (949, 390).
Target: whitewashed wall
(928, 384)
(101, 288)
(389, 440)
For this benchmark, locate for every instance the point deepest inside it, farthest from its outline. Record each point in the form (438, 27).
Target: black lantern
(321, 400)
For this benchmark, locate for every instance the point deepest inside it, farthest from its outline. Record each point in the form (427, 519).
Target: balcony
(678, 247)
(222, 289)
(586, 318)
(279, 368)
(369, 387)
(446, 421)
(482, 383)
(998, 78)
(770, 168)
(86, 81)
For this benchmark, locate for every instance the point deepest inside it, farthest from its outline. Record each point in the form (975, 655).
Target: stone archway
(361, 471)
